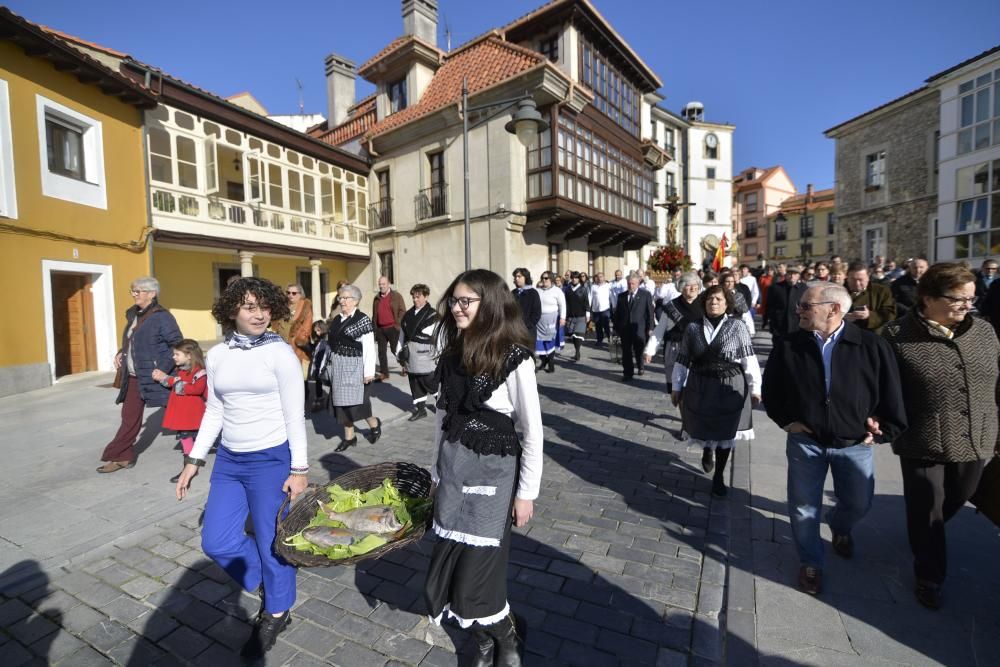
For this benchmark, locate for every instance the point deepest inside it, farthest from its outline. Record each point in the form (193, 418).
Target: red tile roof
(486, 61)
(82, 42)
(820, 199)
(362, 117)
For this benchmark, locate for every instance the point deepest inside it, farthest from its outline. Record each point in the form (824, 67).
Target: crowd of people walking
(861, 355)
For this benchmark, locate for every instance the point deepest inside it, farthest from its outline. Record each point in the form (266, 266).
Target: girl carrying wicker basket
(487, 477)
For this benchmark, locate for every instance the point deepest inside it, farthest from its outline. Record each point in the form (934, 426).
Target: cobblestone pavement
(623, 563)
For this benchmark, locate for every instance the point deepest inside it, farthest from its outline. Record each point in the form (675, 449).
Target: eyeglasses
(463, 302)
(136, 292)
(346, 296)
(809, 305)
(291, 293)
(959, 300)
(546, 277)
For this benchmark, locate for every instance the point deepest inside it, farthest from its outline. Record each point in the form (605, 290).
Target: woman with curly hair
(716, 381)
(255, 400)
(486, 476)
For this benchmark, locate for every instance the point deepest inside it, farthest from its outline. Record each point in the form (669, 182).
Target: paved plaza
(629, 560)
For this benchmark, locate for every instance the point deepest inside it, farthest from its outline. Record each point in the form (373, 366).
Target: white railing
(215, 210)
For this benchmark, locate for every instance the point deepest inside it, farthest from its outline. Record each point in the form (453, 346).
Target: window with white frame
(977, 221)
(72, 154)
(8, 193)
(779, 251)
(875, 169)
(979, 112)
(549, 47)
(750, 202)
(873, 241)
(397, 95)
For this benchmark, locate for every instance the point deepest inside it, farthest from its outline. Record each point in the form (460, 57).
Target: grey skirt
(716, 408)
(576, 326)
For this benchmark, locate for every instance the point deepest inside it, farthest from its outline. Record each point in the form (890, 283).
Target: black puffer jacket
(950, 389)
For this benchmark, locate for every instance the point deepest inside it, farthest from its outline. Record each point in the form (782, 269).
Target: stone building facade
(886, 181)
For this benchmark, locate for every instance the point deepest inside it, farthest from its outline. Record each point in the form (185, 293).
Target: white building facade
(708, 172)
(968, 169)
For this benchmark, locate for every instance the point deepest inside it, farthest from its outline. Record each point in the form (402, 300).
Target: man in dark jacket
(904, 289)
(986, 276)
(147, 345)
(990, 306)
(782, 298)
(835, 389)
(634, 322)
(872, 306)
(527, 298)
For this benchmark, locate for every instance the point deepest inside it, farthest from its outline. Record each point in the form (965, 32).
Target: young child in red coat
(186, 405)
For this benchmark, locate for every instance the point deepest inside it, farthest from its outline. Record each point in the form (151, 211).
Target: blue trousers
(853, 485)
(251, 482)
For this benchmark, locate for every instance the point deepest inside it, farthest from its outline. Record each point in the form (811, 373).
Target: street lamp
(526, 124)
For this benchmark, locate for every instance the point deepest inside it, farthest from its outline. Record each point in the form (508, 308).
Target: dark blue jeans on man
(853, 486)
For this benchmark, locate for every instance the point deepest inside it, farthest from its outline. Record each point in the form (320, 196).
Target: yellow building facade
(73, 209)
(805, 228)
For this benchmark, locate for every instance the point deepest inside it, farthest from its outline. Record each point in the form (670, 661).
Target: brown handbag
(120, 373)
(987, 495)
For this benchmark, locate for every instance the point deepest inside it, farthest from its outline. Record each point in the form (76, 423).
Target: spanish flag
(720, 255)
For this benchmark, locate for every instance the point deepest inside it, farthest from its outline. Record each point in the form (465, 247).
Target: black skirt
(348, 415)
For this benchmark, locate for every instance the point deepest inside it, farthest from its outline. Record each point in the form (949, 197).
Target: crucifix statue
(674, 205)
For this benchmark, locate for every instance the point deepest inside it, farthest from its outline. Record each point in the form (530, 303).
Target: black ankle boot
(550, 364)
(507, 641)
(265, 633)
(484, 647)
(576, 344)
(418, 413)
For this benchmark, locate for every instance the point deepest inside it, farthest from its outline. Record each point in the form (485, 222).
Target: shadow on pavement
(32, 629)
(151, 429)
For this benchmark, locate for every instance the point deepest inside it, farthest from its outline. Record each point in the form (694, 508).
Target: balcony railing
(381, 213)
(432, 202)
(214, 210)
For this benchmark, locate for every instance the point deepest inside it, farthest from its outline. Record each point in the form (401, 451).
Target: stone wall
(908, 198)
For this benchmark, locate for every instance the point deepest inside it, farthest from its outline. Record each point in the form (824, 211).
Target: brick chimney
(809, 193)
(340, 76)
(420, 19)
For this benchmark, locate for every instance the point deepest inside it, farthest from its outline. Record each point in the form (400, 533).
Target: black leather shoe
(843, 546)
(375, 433)
(418, 413)
(707, 461)
(346, 444)
(719, 487)
(507, 641)
(810, 580)
(265, 633)
(928, 594)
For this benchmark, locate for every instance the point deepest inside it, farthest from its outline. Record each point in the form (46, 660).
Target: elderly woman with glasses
(551, 323)
(716, 381)
(352, 368)
(948, 367)
(147, 345)
(677, 314)
(299, 329)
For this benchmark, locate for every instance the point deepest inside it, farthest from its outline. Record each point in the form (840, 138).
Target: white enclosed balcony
(207, 180)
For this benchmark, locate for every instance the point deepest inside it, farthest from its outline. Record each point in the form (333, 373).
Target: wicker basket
(408, 478)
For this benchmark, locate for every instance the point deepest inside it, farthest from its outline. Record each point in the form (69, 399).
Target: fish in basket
(363, 514)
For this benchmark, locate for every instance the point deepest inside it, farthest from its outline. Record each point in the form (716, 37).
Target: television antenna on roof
(302, 106)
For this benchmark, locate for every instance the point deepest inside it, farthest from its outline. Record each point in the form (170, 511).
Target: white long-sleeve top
(600, 297)
(751, 367)
(754, 288)
(553, 300)
(518, 397)
(664, 325)
(256, 399)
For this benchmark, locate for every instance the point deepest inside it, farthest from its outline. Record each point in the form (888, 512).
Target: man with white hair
(835, 389)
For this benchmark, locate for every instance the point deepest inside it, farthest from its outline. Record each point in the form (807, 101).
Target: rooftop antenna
(302, 106)
(447, 33)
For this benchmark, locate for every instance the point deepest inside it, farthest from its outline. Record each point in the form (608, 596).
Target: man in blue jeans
(835, 389)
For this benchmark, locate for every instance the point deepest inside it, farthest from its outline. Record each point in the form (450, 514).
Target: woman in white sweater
(550, 325)
(487, 477)
(256, 401)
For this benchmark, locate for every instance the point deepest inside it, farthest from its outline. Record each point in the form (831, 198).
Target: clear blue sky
(781, 70)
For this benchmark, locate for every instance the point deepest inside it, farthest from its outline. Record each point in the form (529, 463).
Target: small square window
(710, 173)
(64, 144)
(710, 215)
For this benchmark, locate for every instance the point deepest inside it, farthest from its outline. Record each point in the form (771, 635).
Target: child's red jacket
(185, 409)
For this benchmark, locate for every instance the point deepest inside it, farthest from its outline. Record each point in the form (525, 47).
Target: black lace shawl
(681, 313)
(346, 332)
(467, 419)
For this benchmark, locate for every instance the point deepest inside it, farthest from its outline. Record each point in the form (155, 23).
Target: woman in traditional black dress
(677, 314)
(352, 368)
(487, 478)
(717, 382)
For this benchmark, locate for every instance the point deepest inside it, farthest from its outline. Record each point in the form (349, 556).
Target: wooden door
(73, 323)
